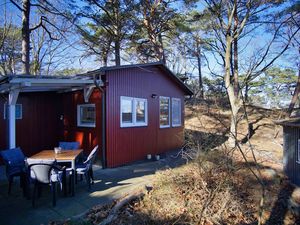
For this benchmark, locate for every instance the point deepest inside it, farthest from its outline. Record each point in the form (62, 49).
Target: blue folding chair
(14, 160)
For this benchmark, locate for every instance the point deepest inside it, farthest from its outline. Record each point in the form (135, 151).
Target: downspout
(103, 126)
(104, 165)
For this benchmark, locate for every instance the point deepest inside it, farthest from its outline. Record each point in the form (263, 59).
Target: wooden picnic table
(64, 156)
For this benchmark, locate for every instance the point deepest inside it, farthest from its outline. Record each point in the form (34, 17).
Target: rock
(296, 195)
(269, 174)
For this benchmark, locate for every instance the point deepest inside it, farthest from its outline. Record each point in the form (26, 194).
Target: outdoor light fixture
(154, 96)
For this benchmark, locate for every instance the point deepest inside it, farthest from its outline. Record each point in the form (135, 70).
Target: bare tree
(233, 20)
(10, 45)
(49, 53)
(26, 7)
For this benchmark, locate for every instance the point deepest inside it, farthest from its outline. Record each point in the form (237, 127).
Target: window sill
(179, 125)
(163, 127)
(133, 125)
(86, 125)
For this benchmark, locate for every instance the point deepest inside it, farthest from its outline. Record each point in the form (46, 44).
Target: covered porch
(38, 112)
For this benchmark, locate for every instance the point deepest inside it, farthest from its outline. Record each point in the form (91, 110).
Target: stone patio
(109, 184)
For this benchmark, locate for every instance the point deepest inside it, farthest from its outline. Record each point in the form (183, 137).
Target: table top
(64, 155)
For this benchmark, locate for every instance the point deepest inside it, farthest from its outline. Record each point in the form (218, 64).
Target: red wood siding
(88, 137)
(38, 129)
(41, 126)
(125, 145)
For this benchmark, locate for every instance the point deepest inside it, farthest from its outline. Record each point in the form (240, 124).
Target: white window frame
(79, 124)
(180, 113)
(134, 122)
(6, 108)
(165, 126)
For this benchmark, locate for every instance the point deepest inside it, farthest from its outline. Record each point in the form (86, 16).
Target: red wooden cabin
(129, 111)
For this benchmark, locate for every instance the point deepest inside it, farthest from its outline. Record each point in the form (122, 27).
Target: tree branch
(15, 4)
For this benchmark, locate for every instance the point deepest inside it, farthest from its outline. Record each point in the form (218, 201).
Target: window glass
(86, 115)
(133, 112)
(176, 112)
(140, 111)
(164, 109)
(126, 107)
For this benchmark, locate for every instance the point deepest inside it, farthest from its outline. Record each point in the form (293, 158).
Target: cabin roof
(291, 122)
(160, 65)
(29, 83)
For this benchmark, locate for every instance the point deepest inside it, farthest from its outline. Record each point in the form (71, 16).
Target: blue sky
(257, 40)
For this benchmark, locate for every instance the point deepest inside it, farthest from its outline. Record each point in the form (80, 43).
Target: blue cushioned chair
(14, 160)
(45, 172)
(69, 145)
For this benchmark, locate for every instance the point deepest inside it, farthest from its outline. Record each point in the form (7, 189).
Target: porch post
(11, 116)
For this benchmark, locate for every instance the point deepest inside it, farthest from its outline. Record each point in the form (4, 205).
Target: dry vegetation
(216, 186)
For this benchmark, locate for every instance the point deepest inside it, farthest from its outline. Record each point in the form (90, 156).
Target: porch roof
(291, 122)
(46, 83)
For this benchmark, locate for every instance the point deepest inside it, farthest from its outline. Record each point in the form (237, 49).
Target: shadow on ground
(206, 141)
(109, 184)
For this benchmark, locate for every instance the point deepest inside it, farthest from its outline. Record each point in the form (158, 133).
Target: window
(164, 112)
(176, 112)
(140, 108)
(133, 112)
(127, 110)
(19, 113)
(86, 115)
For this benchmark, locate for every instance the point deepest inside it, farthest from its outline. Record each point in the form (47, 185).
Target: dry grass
(216, 187)
(211, 191)
(267, 137)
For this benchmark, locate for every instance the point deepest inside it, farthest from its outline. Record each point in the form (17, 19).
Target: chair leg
(92, 175)
(23, 184)
(53, 186)
(72, 186)
(70, 182)
(64, 183)
(34, 193)
(88, 180)
(39, 191)
(10, 181)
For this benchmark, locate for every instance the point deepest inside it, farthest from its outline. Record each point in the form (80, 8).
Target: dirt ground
(267, 136)
(218, 186)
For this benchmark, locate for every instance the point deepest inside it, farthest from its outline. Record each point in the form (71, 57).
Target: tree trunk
(105, 59)
(117, 33)
(232, 85)
(117, 53)
(200, 72)
(235, 56)
(161, 51)
(247, 91)
(234, 100)
(295, 96)
(26, 37)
